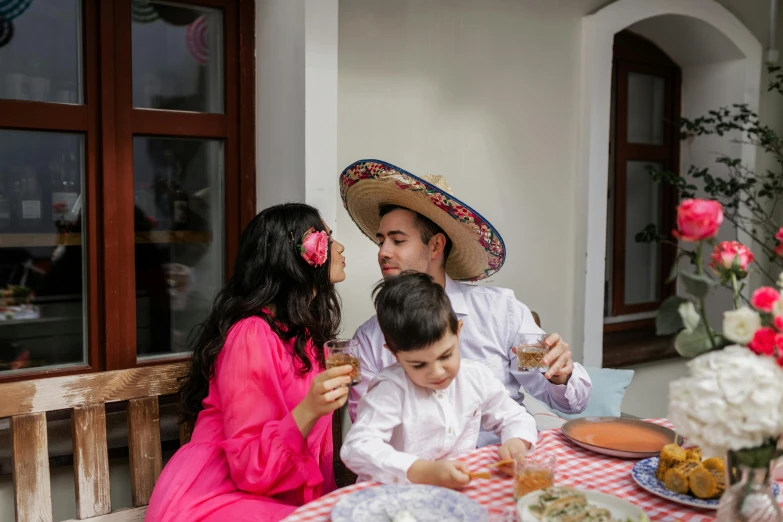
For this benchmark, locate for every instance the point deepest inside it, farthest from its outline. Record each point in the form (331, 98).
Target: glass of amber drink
(340, 352)
(531, 349)
(532, 472)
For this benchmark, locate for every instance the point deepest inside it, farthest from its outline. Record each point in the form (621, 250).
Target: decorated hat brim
(477, 251)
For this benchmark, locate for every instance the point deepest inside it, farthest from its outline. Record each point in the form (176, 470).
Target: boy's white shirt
(398, 422)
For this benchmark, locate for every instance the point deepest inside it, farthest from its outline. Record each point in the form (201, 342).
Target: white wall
(454, 88)
(296, 79)
(487, 94)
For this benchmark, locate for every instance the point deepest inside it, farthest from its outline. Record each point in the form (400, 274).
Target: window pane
(642, 260)
(42, 304)
(179, 238)
(40, 50)
(177, 57)
(645, 108)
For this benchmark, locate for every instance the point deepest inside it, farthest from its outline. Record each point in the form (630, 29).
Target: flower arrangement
(732, 400)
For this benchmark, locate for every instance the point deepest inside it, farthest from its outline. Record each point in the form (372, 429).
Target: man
(418, 225)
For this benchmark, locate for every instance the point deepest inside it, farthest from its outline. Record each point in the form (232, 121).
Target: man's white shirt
(492, 318)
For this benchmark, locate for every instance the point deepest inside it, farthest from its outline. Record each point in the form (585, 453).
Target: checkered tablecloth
(576, 467)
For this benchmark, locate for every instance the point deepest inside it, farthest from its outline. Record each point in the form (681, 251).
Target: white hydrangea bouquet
(731, 403)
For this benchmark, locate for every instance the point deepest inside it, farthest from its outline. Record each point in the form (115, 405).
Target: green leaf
(691, 344)
(697, 285)
(668, 321)
(674, 271)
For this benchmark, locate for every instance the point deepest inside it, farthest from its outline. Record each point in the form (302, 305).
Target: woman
(262, 443)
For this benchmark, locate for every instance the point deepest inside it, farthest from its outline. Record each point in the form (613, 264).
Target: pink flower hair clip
(314, 247)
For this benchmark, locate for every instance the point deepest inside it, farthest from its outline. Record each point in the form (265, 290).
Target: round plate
(643, 473)
(425, 503)
(619, 437)
(620, 509)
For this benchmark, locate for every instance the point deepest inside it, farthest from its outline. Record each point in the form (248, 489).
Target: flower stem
(736, 290)
(702, 306)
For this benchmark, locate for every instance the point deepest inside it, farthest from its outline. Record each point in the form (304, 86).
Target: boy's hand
(509, 450)
(451, 474)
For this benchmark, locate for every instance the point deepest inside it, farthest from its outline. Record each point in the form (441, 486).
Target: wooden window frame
(108, 122)
(635, 54)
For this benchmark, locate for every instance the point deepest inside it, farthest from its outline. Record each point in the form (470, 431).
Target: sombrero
(477, 250)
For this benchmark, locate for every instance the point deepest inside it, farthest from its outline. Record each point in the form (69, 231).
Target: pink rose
(779, 249)
(779, 235)
(763, 342)
(779, 322)
(698, 219)
(726, 251)
(765, 298)
(315, 247)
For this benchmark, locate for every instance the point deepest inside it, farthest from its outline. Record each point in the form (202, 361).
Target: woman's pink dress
(247, 460)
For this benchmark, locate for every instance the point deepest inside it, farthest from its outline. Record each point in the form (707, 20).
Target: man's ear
(437, 245)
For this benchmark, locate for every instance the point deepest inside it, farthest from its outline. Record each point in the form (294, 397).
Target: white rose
(780, 280)
(732, 399)
(690, 317)
(740, 325)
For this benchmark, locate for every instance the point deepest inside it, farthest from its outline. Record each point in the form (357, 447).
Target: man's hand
(509, 450)
(451, 474)
(559, 360)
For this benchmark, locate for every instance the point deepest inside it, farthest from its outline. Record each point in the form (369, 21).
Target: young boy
(428, 407)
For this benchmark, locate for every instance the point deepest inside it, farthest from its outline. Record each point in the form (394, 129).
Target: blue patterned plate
(425, 503)
(644, 475)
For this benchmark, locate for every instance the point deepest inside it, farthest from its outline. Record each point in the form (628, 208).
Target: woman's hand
(327, 393)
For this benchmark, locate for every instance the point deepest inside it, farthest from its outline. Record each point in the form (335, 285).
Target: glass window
(180, 249)
(645, 108)
(177, 57)
(42, 261)
(40, 50)
(642, 260)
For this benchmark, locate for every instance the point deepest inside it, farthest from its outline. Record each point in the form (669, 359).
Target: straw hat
(367, 185)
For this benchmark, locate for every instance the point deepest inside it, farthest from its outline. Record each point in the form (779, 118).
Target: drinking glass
(340, 352)
(533, 471)
(531, 349)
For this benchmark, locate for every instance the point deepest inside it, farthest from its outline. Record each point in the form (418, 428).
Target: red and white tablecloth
(576, 467)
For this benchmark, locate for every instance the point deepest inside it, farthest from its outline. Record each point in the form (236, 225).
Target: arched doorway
(721, 64)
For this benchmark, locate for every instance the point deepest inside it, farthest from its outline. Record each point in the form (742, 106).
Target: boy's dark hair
(413, 311)
(426, 227)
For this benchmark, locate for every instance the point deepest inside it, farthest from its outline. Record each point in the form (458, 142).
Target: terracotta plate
(619, 437)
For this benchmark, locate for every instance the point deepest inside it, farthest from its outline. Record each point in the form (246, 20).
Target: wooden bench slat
(91, 461)
(122, 515)
(30, 458)
(60, 393)
(146, 460)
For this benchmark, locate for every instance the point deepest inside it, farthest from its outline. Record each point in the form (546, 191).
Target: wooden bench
(27, 402)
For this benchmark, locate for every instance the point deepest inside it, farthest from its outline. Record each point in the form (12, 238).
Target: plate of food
(558, 504)
(682, 475)
(408, 503)
(619, 437)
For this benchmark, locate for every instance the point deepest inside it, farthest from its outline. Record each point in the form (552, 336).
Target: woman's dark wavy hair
(269, 272)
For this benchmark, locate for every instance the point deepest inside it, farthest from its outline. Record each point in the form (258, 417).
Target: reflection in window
(40, 50)
(178, 197)
(42, 305)
(177, 57)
